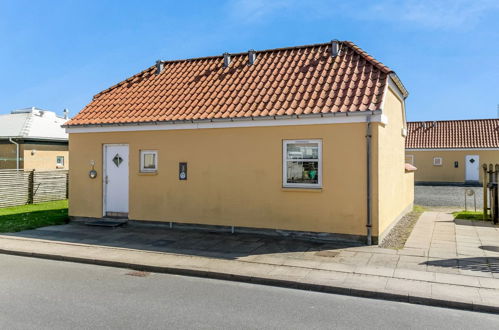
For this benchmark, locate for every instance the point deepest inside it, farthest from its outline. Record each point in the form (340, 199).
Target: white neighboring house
(33, 138)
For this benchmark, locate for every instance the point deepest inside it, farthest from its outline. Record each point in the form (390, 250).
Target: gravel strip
(399, 234)
(446, 196)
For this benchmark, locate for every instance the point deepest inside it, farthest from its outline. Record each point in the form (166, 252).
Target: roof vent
(226, 60)
(335, 48)
(159, 66)
(66, 113)
(251, 57)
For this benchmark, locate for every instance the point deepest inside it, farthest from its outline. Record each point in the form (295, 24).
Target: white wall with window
(148, 161)
(302, 163)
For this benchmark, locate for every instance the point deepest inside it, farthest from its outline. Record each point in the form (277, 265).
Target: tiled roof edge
(451, 120)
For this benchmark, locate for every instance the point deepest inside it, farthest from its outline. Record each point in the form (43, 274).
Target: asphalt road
(44, 294)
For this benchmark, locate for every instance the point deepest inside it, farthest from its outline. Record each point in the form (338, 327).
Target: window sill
(300, 189)
(148, 173)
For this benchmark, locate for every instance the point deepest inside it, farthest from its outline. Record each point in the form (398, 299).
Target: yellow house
(304, 140)
(33, 138)
(452, 151)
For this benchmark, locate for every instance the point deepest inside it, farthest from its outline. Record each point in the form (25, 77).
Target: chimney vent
(66, 113)
(159, 66)
(335, 48)
(226, 60)
(251, 57)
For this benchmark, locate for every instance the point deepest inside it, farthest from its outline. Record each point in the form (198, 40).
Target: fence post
(484, 179)
(67, 185)
(31, 186)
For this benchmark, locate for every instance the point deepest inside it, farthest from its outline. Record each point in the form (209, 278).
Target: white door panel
(472, 167)
(116, 178)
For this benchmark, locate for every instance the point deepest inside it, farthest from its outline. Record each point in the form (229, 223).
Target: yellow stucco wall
(44, 156)
(234, 178)
(427, 172)
(396, 187)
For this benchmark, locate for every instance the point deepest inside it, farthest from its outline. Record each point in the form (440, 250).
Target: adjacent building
(452, 151)
(307, 140)
(33, 138)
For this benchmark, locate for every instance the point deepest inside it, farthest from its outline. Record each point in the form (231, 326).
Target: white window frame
(411, 157)
(148, 170)
(57, 161)
(438, 161)
(285, 184)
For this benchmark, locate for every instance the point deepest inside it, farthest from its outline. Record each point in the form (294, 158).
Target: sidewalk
(444, 263)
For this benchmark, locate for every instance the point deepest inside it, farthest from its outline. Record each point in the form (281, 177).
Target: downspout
(17, 152)
(368, 186)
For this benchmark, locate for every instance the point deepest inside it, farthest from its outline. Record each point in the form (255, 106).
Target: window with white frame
(148, 160)
(60, 161)
(302, 163)
(409, 159)
(437, 161)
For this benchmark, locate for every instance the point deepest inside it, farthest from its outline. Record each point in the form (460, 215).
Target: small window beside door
(59, 161)
(437, 161)
(148, 161)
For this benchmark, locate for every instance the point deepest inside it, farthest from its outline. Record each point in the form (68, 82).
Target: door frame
(104, 173)
(477, 158)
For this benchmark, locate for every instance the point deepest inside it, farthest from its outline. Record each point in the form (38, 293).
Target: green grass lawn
(468, 215)
(32, 216)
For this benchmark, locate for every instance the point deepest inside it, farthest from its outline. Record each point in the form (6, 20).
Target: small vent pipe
(251, 57)
(226, 60)
(335, 48)
(159, 66)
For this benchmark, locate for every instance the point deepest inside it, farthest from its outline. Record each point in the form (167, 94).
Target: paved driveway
(446, 196)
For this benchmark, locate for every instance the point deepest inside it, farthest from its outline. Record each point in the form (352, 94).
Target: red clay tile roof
(453, 134)
(286, 81)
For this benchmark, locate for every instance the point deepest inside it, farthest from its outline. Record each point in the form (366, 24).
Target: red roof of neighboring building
(286, 81)
(453, 134)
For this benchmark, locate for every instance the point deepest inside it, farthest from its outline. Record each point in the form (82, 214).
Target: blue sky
(58, 54)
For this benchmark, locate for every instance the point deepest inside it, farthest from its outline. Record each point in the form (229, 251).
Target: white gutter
(17, 152)
(316, 119)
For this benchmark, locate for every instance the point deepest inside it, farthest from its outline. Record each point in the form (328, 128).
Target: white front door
(472, 167)
(115, 180)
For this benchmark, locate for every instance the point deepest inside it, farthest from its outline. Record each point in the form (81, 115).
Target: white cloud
(256, 10)
(435, 14)
(446, 14)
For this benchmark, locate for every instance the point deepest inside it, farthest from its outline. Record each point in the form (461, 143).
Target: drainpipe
(17, 152)
(368, 169)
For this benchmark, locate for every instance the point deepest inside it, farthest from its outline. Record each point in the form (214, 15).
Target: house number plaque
(182, 171)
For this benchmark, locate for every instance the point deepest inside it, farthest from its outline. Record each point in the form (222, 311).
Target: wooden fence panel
(25, 187)
(49, 186)
(13, 187)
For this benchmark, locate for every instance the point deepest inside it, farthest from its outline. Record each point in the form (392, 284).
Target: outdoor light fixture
(33, 152)
(93, 173)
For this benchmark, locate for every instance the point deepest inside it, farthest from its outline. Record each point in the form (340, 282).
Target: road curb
(419, 300)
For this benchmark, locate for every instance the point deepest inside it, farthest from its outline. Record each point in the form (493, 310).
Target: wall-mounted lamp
(93, 173)
(33, 152)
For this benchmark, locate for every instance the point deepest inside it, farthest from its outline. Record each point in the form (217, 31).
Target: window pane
(302, 172)
(302, 151)
(150, 161)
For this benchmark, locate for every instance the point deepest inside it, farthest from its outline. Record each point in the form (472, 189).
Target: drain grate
(138, 273)
(327, 253)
